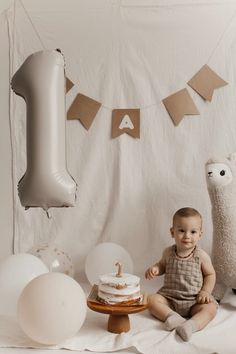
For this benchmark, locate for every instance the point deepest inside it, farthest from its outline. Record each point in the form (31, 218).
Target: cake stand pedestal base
(118, 323)
(118, 320)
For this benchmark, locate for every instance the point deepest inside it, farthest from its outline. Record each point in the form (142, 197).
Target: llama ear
(232, 157)
(209, 162)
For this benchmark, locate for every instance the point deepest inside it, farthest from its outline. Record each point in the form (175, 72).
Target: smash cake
(119, 288)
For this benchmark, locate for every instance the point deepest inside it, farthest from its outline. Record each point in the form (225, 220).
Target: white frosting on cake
(113, 289)
(125, 291)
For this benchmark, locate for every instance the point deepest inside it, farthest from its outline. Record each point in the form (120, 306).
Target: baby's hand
(204, 297)
(152, 272)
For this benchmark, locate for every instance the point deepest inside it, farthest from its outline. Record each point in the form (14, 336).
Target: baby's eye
(193, 232)
(181, 230)
(222, 172)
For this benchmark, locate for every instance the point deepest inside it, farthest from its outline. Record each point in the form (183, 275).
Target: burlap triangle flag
(205, 81)
(179, 104)
(126, 121)
(84, 109)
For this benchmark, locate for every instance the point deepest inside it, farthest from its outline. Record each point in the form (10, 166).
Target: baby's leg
(201, 314)
(159, 307)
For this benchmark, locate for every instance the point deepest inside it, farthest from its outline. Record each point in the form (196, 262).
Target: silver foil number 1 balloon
(41, 82)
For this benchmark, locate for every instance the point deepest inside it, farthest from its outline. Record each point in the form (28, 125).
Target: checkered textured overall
(183, 281)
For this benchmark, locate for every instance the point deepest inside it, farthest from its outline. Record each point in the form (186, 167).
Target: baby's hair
(185, 213)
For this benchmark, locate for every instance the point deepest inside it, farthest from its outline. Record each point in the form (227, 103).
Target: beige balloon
(102, 258)
(52, 308)
(41, 82)
(16, 271)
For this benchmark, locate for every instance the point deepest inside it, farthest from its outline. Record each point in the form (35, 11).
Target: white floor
(147, 334)
(59, 351)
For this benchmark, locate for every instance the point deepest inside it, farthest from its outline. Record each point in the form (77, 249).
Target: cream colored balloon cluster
(42, 301)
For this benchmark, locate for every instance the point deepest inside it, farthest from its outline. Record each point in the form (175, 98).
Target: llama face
(218, 174)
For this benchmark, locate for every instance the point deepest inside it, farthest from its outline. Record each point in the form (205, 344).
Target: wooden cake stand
(118, 314)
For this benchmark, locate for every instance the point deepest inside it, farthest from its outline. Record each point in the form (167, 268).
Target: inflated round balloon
(102, 258)
(54, 258)
(41, 82)
(52, 308)
(16, 271)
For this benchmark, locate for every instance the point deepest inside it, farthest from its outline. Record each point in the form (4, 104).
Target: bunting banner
(205, 81)
(84, 109)
(126, 121)
(69, 84)
(179, 104)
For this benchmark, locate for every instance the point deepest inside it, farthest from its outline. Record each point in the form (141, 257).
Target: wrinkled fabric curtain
(128, 54)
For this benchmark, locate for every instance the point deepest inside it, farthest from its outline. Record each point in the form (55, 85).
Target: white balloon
(54, 258)
(41, 82)
(52, 308)
(16, 271)
(102, 258)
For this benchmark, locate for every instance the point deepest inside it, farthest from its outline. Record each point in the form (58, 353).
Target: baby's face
(186, 231)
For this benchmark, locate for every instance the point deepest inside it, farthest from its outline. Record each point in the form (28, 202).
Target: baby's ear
(172, 231)
(232, 157)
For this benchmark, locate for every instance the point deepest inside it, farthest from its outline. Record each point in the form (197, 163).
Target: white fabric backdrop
(129, 54)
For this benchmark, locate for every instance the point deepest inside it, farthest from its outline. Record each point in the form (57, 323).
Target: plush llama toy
(221, 182)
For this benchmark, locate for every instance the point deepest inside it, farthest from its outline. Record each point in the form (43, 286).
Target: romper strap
(196, 252)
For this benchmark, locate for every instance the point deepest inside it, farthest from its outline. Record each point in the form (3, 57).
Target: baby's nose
(187, 234)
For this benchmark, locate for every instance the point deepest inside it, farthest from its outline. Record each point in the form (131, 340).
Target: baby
(189, 279)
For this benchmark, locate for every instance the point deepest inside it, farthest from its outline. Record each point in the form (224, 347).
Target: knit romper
(182, 282)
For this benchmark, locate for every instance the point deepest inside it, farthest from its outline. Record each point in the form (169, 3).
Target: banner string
(32, 24)
(140, 107)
